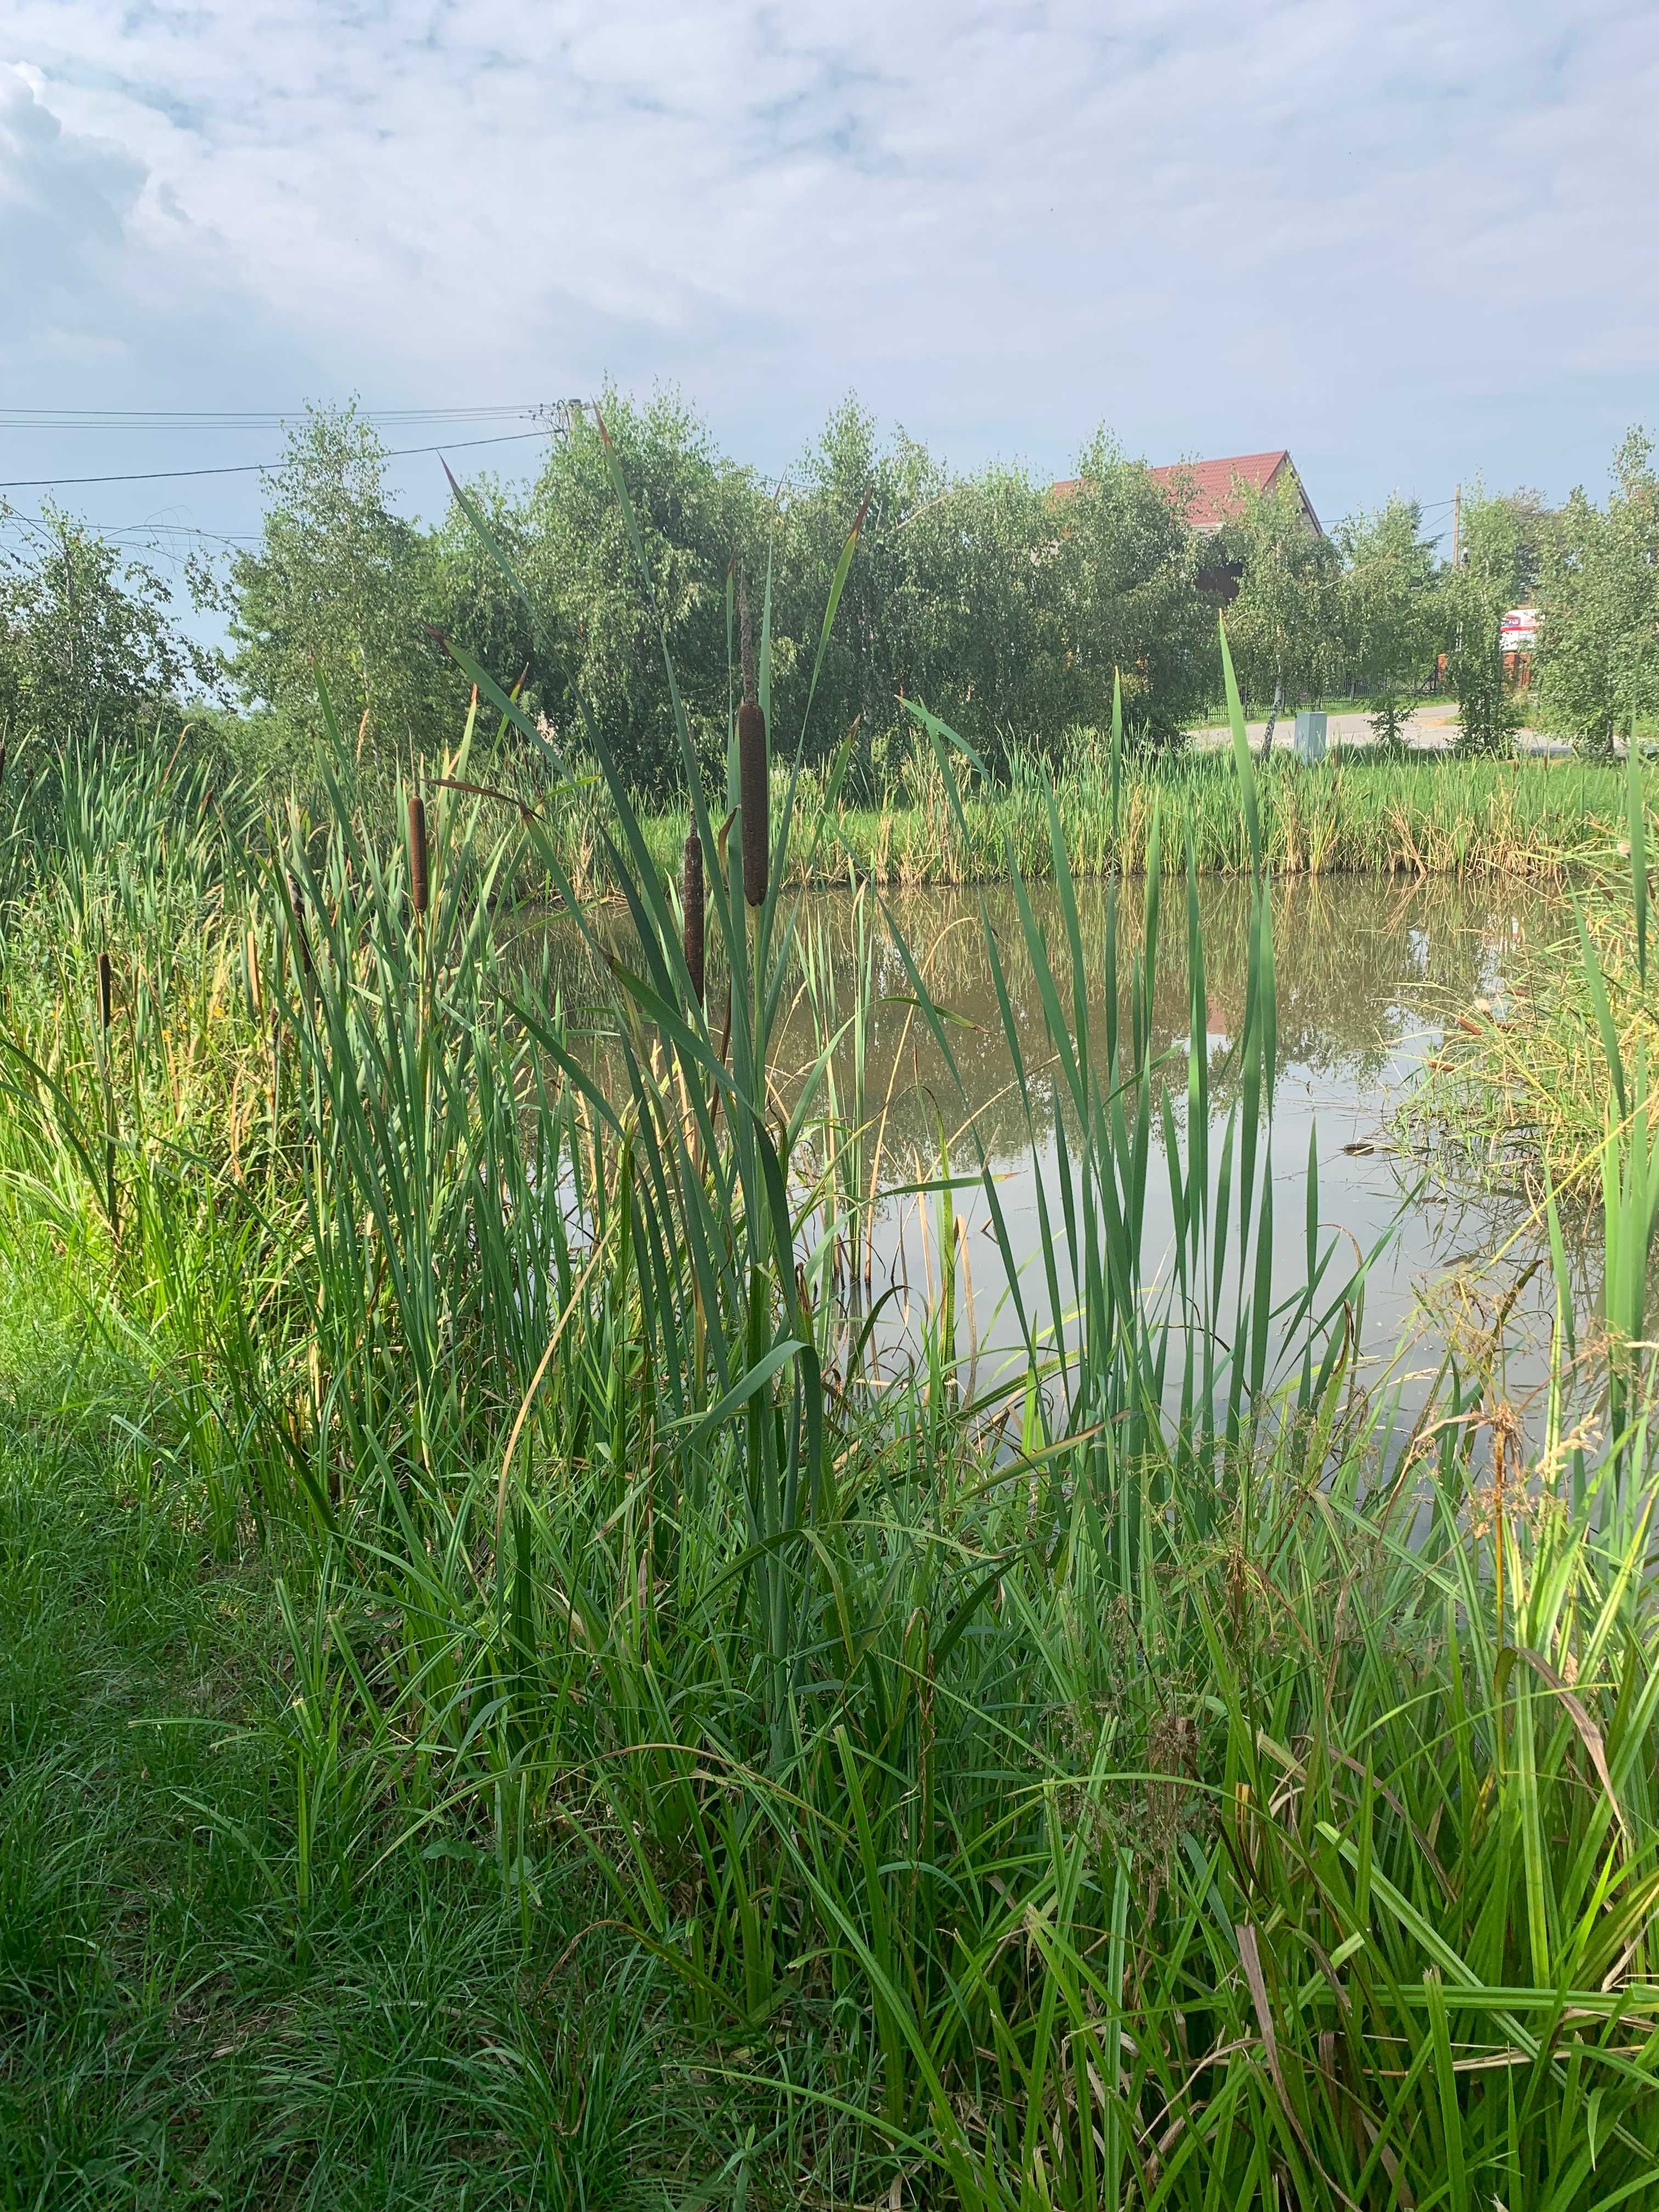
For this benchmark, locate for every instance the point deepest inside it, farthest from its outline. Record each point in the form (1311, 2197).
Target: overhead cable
(94, 418)
(254, 468)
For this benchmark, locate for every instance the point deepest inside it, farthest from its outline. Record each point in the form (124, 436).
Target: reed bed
(1147, 1772)
(1545, 820)
(1529, 1085)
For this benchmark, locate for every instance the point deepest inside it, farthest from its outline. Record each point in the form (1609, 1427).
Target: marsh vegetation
(545, 1671)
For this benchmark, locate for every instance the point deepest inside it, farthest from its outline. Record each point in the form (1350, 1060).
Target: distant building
(1208, 495)
(1518, 641)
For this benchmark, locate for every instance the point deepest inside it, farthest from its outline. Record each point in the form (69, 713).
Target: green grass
(530, 1694)
(1431, 814)
(1529, 1087)
(175, 2028)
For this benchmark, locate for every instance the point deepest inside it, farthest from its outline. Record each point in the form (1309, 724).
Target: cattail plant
(417, 875)
(754, 793)
(297, 907)
(691, 909)
(106, 994)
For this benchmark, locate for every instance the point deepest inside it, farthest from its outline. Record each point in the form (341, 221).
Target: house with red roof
(1209, 494)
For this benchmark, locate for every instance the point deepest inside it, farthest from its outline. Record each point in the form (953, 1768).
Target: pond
(1370, 971)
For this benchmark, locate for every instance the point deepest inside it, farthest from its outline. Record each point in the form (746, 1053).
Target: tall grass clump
(1128, 1763)
(1414, 816)
(1534, 1086)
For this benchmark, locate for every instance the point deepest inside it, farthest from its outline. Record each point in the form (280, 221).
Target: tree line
(1007, 607)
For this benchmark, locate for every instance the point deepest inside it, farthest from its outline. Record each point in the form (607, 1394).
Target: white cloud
(116, 292)
(1406, 241)
(64, 205)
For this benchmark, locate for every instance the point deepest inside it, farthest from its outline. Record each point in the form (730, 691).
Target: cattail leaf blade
(755, 798)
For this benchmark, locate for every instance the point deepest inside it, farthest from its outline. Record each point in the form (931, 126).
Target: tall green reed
(1070, 1762)
(1149, 1773)
(1549, 821)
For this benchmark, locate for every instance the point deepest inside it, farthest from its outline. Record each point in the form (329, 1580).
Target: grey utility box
(1310, 738)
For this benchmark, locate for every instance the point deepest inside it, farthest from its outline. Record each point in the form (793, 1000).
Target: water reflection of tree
(1361, 962)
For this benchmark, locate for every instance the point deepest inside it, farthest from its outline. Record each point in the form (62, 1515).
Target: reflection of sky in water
(1365, 971)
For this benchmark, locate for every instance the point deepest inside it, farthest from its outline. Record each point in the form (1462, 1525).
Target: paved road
(1431, 729)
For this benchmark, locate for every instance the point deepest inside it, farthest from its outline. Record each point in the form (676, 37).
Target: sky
(1413, 243)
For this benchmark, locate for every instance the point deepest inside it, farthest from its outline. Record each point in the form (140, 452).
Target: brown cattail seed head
(754, 796)
(417, 883)
(297, 904)
(106, 990)
(691, 907)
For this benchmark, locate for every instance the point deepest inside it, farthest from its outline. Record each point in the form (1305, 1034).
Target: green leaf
(1242, 760)
(1638, 852)
(1596, 985)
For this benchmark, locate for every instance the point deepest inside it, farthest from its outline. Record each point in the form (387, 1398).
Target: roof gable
(1206, 494)
(1209, 490)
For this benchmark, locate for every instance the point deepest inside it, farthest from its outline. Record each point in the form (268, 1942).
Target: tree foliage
(697, 514)
(1003, 605)
(1497, 570)
(1283, 627)
(1005, 608)
(336, 594)
(1598, 598)
(1006, 604)
(1388, 609)
(87, 639)
(1129, 579)
(896, 623)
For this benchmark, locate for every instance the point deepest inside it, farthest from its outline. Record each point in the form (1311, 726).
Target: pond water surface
(1369, 972)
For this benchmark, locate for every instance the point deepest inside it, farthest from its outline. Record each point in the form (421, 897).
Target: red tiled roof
(1210, 489)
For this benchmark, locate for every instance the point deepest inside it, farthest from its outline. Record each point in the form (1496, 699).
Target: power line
(93, 418)
(254, 468)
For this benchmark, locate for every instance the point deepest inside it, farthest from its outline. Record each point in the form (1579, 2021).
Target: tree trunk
(1273, 713)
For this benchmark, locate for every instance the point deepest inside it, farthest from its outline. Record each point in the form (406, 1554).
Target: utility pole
(1457, 521)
